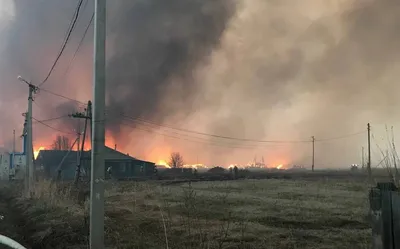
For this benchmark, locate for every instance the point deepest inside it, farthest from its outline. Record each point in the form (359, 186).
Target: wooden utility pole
(313, 153)
(88, 117)
(96, 236)
(369, 154)
(78, 144)
(25, 147)
(59, 168)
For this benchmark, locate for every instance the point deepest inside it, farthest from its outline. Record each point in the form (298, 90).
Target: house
(12, 165)
(122, 166)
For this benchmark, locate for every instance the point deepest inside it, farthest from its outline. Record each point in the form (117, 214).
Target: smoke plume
(258, 69)
(155, 42)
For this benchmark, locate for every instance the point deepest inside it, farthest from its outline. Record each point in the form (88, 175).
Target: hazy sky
(257, 69)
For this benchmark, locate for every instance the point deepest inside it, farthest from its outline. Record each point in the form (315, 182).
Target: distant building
(122, 166)
(297, 168)
(12, 165)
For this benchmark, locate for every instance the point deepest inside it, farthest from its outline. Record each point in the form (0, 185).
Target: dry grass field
(274, 214)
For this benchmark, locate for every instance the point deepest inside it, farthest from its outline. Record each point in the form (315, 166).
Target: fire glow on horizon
(36, 151)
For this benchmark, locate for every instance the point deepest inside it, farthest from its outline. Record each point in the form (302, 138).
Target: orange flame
(279, 166)
(36, 152)
(163, 163)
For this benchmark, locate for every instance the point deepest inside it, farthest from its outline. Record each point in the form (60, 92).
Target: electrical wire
(52, 119)
(62, 96)
(257, 146)
(79, 46)
(340, 137)
(51, 127)
(64, 45)
(202, 140)
(193, 141)
(212, 135)
(154, 124)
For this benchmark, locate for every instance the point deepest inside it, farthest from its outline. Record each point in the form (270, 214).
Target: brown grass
(235, 214)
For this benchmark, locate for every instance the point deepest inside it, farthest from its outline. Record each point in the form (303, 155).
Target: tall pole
(12, 170)
(369, 154)
(98, 137)
(25, 145)
(362, 158)
(29, 168)
(78, 142)
(87, 118)
(29, 154)
(313, 153)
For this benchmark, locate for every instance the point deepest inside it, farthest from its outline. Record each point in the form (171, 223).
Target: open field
(230, 214)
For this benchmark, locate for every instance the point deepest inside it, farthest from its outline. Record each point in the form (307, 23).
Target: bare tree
(61, 143)
(176, 160)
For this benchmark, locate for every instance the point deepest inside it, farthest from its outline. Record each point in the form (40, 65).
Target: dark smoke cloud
(247, 68)
(31, 41)
(154, 42)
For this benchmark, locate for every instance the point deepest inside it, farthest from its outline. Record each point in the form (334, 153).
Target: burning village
(193, 124)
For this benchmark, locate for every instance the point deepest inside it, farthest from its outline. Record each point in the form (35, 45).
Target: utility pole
(313, 153)
(10, 173)
(87, 117)
(362, 158)
(369, 154)
(29, 150)
(59, 168)
(25, 147)
(78, 143)
(98, 137)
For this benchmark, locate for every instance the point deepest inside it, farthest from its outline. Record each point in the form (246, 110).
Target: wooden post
(313, 153)
(369, 155)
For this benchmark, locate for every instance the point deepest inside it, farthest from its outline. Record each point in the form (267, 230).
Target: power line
(79, 46)
(201, 140)
(53, 128)
(341, 137)
(152, 123)
(62, 96)
(69, 32)
(52, 119)
(194, 141)
(213, 135)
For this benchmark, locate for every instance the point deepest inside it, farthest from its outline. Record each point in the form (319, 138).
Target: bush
(217, 170)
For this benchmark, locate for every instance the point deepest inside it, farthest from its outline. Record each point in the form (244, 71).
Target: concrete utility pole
(98, 138)
(362, 158)
(313, 153)
(369, 154)
(29, 150)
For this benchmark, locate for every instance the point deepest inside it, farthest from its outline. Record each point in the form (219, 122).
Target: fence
(385, 216)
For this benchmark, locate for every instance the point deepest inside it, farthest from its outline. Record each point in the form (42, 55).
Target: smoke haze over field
(257, 69)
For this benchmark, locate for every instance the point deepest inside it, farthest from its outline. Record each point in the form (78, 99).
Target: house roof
(55, 156)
